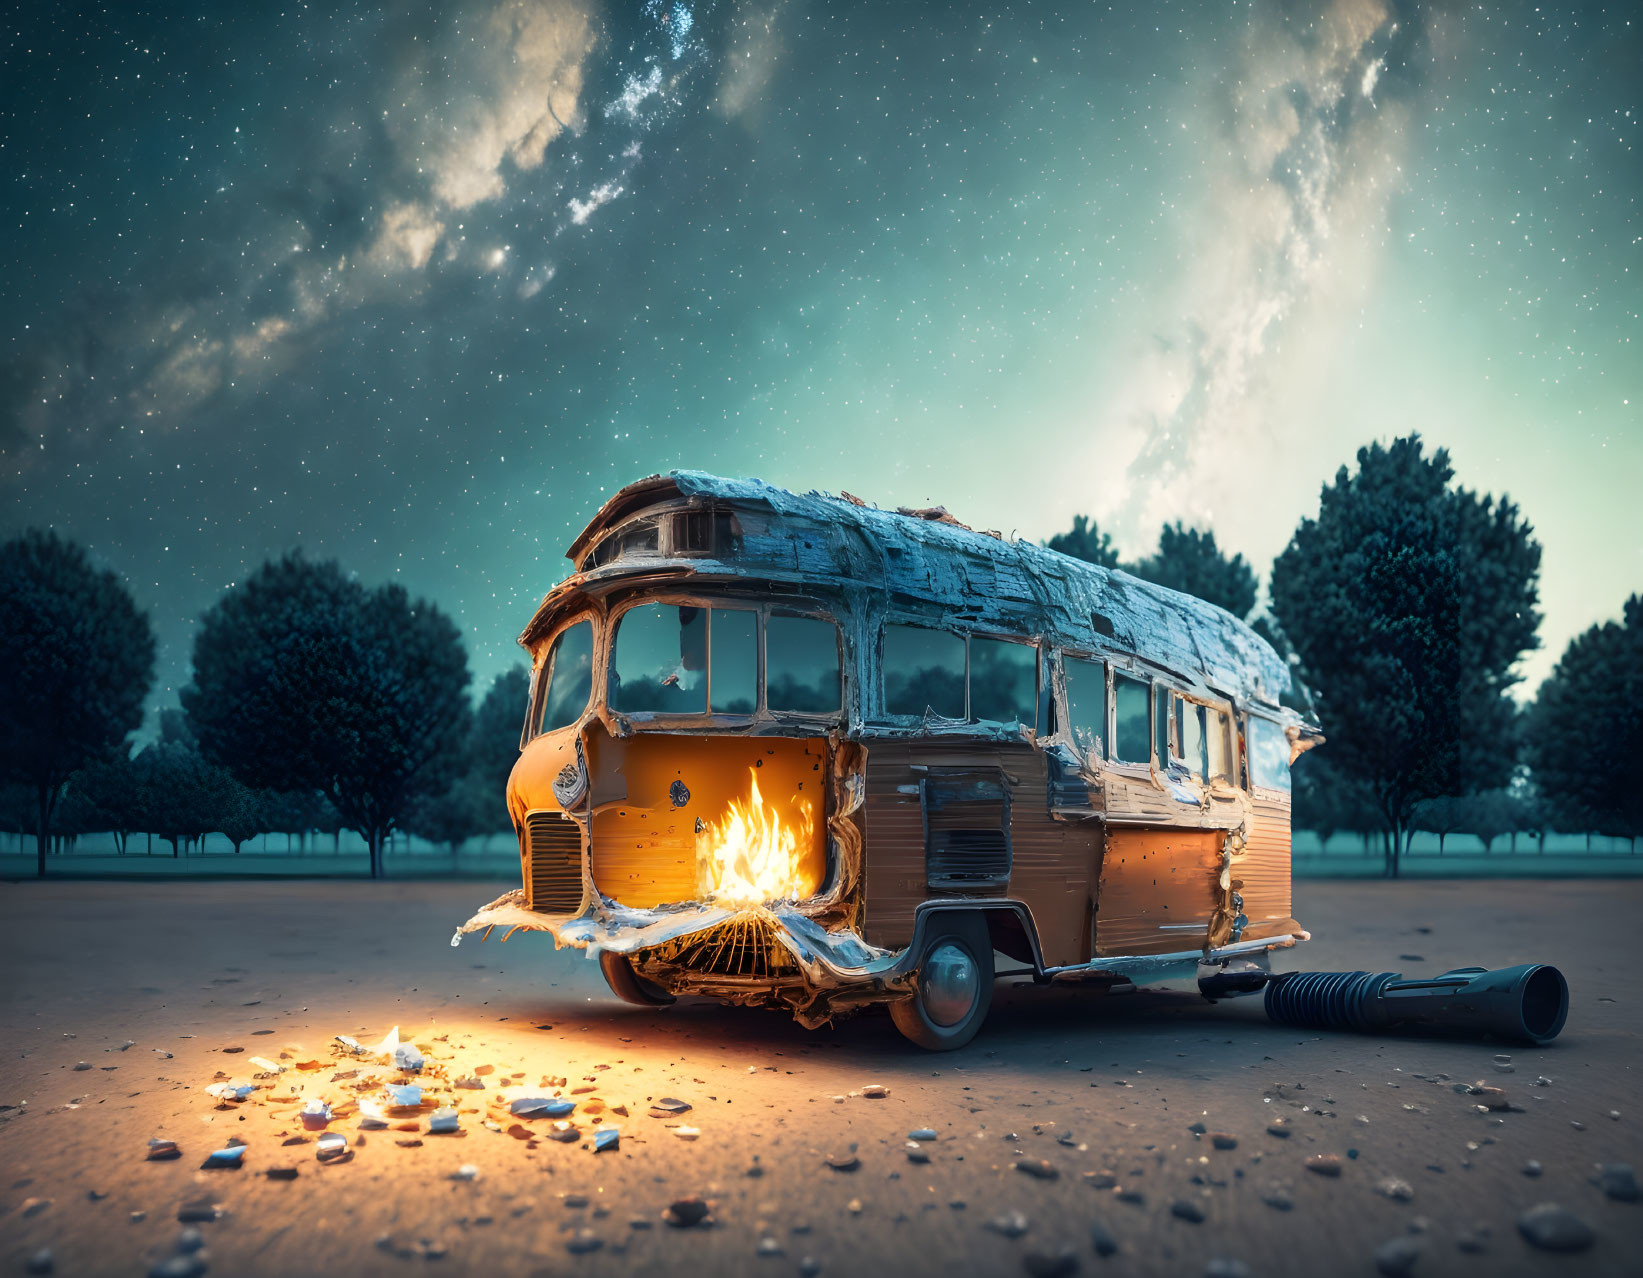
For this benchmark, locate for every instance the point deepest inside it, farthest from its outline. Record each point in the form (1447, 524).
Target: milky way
(419, 290)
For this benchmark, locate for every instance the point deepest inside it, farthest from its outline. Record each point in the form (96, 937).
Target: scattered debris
(332, 1148)
(686, 1133)
(607, 1138)
(1324, 1164)
(875, 1091)
(1012, 1224)
(682, 1213)
(442, 1122)
(1618, 1181)
(1102, 1240)
(1399, 1191)
(160, 1151)
(1051, 1264)
(843, 1162)
(1395, 1257)
(1554, 1228)
(230, 1157)
(466, 1172)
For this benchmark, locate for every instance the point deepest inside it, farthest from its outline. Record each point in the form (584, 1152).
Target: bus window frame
(1066, 728)
(762, 609)
(883, 716)
(1131, 669)
(535, 709)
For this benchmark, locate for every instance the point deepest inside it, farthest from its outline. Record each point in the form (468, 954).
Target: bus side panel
(1159, 889)
(1052, 862)
(893, 847)
(1264, 870)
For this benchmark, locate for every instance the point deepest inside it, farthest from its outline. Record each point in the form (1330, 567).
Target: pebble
(583, 1241)
(682, 1213)
(1554, 1228)
(1102, 1240)
(198, 1210)
(1012, 1224)
(281, 1173)
(916, 1153)
(190, 1240)
(1051, 1264)
(1324, 1164)
(1223, 1140)
(1399, 1191)
(687, 1133)
(1618, 1181)
(769, 1247)
(1280, 1130)
(178, 1267)
(809, 1267)
(41, 1262)
(1037, 1168)
(875, 1091)
(1186, 1209)
(843, 1162)
(1226, 1267)
(1473, 1241)
(466, 1172)
(1100, 1179)
(1278, 1199)
(33, 1206)
(1396, 1257)
(1532, 1167)
(921, 1133)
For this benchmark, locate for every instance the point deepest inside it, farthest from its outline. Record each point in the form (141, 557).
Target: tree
(1408, 601)
(454, 817)
(1086, 542)
(1191, 562)
(109, 795)
(304, 679)
(76, 665)
(1585, 729)
(494, 747)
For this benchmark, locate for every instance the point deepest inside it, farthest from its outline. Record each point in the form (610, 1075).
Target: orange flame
(752, 857)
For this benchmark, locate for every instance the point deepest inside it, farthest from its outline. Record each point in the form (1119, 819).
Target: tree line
(317, 703)
(1403, 608)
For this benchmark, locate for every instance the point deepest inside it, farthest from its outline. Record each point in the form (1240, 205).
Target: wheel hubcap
(948, 984)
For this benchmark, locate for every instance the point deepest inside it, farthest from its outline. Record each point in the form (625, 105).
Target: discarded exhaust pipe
(1524, 1004)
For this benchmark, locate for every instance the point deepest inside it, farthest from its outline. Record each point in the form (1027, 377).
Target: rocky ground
(1150, 1134)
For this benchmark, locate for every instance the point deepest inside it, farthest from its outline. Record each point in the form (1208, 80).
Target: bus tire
(953, 987)
(628, 985)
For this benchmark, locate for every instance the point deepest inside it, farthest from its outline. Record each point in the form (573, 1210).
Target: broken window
(966, 830)
(923, 671)
(1003, 681)
(659, 660)
(1190, 748)
(733, 634)
(802, 667)
(1132, 713)
(1087, 703)
(1218, 744)
(1268, 754)
(567, 677)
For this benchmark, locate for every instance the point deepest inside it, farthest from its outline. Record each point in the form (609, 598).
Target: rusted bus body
(1083, 771)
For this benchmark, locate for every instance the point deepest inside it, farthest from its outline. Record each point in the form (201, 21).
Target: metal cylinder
(1523, 1004)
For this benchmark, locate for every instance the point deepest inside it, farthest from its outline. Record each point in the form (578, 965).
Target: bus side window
(733, 669)
(1268, 755)
(1003, 681)
(567, 676)
(1131, 735)
(802, 671)
(659, 660)
(1087, 704)
(923, 671)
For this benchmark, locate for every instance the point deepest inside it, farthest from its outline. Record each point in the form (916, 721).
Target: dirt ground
(199, 977)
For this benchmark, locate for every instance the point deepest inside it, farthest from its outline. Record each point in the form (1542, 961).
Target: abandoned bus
(796, 750)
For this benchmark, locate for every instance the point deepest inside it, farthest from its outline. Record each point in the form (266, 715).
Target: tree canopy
(1585, 731)
(1189, 561)
(1408, 601)
(306, 680)
(78, 662)
(1086, 542)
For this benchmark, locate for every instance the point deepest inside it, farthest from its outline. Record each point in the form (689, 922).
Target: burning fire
(752, 856)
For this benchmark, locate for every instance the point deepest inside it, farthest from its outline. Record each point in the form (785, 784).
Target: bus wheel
(628, 985)
(954, 985)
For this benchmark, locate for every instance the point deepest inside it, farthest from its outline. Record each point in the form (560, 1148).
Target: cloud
(601, 195)
(1294, 213)
(750, 61)
(406, 237)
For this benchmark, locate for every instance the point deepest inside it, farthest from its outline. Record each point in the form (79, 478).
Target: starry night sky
(419, 289)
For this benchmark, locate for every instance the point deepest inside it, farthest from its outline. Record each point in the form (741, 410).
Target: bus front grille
(555, 878)
(742, 946)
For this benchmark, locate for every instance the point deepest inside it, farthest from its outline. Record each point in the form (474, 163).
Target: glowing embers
(754, 854)
(745, 946)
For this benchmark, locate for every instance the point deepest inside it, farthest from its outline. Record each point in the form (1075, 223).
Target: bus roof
(976, 580)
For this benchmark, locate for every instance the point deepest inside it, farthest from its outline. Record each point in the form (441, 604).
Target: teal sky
(421, 293)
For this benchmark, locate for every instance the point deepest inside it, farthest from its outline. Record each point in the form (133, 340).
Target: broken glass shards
(267, 1066)
(332, 1148)
(315, 1114)
(230, 1093)
(404, 1095)
(228, 1158)
(541, 1107)
(443, 1122)
(351, 1043)
(160, 1151)
(606, 1138)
